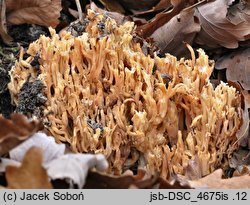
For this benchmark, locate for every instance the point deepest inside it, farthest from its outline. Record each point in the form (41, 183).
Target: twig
(79, 9)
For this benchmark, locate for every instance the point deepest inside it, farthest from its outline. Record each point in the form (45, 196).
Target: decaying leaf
(106, 96)
(3, 28)
(181, 28)
(30, 174)
(41, 12)
(15, 131)
(237, 67)
(113, 5)
(215, 181)
(223, 24)
(160, 19)
(74, 167)
(160, 6)
(4, 162)
(50, 149)
(138, 5)
(139, 181)
(241, 160)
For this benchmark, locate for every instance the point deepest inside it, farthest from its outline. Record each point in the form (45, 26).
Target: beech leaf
(223, 24)
(237, 67)
(181, 28)
(215, 181)
(15, 131)
(74, 167)
(3, 28)
(41, 12)
(31, 174)
(50, 148)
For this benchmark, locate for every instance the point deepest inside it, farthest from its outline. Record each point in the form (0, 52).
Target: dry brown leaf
(142, 5)
(183, 28)
(41, 12)
(113, 5)
(31, 174)
(162, 5)
(141, 180)
(236, 64)
(240, 160)
(221, 25)
(160, 19)
(215, 181)
(15, 131)
(3, 29)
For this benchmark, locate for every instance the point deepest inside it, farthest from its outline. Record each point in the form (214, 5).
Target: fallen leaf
(97, 180)
(141, 180)
(74, 167)
(162, 5)
(240, 159)
(4, 162)
(15, 131)
(50, 148)
(30, 174)
(41, 12)
(113, 5)
(236, 64)
(183, 27)
(160, 19)
(3, 28)
(246, 95)
(215, 181)
(223, 24)
(141, 5)
(193, 170)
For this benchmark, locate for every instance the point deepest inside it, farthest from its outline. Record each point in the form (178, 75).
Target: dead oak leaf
(215, 181)
(41, 12)
(183, 28)
(3, 28)
(236, 64)
(223, 24)
(15, 131)
(31, 174)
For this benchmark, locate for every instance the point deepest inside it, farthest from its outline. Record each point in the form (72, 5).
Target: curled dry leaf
(50, 148)
(141, 180)
(138, 5)
(215, 181)
(221, 25)
(113, 5)
(4, 162)
(74, 167)
(41, 12)
(160, 19)
(3, 28)
(147, 29)
(15, 131)
(237, 65)
(30, 174)
(181, 28)
(105, 181)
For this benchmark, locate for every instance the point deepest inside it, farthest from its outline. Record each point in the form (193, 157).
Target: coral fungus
(104, 95)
